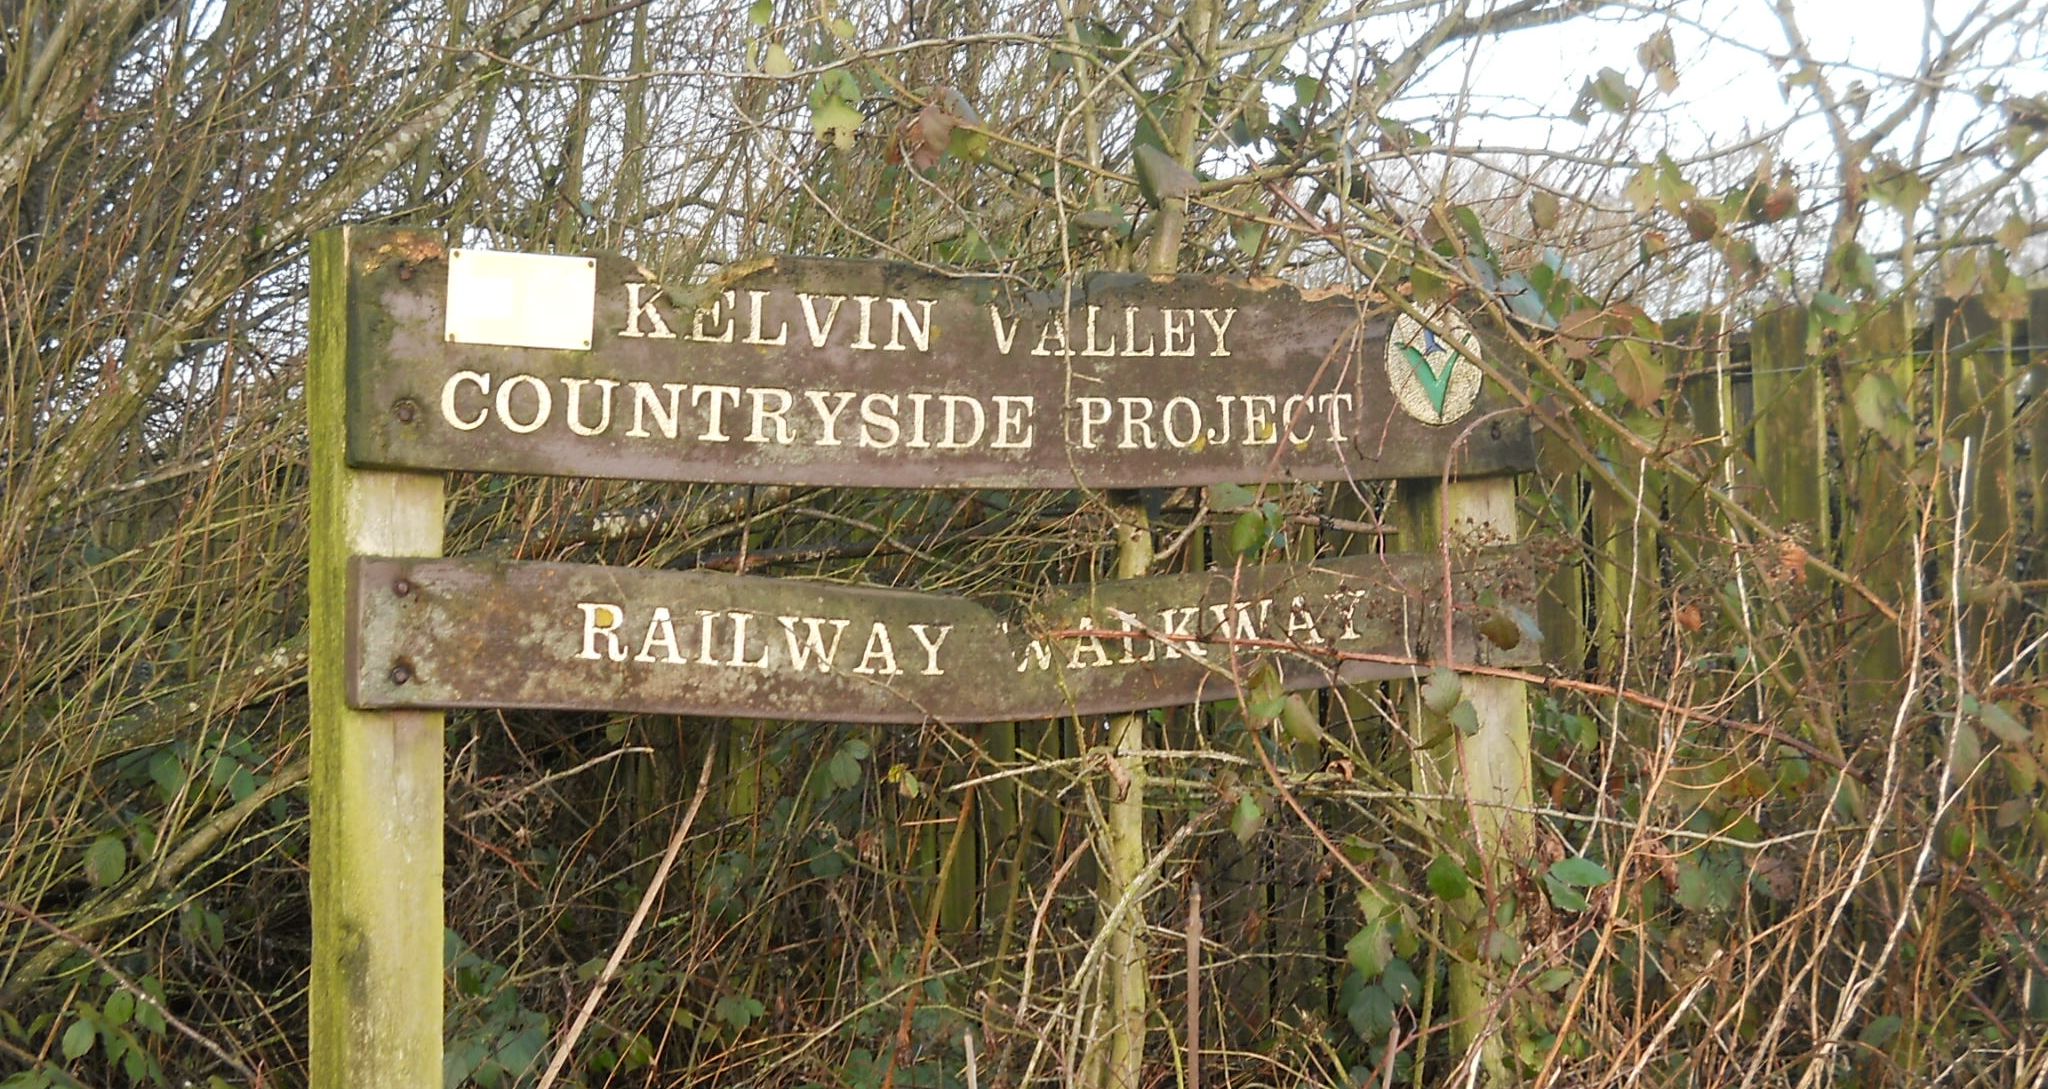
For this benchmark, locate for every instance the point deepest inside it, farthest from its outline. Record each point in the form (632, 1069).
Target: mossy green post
(1488, 771)
(375, 1006)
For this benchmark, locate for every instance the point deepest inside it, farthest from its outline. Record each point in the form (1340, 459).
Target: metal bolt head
(406, 409)
(402, 588)
(401, 673)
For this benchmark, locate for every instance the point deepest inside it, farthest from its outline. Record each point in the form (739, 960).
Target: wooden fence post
(375, 1006)
(1488, 770)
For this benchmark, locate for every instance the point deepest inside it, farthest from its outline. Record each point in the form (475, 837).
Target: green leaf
(857, 748)
(1564, 896)
(844, 770)
(1442, 690)
(1581, 873)
(167, 772)
(1447, 879)
(1398, 979)
(1247, 818)
(1880, 408)
(1555, 980)
(2004, 725)
(1299, 722)
(1465, 718)
(778, 63)
(761, 12)
(837, 121)
(78, 1039)
(1230, 497)
(120, 1007)
(1637, 372)
(1248, 533)
(106, 860)
(1369, 950)
(1880, 1031)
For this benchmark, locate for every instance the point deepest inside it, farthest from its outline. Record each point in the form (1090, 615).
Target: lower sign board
(453, 633)
(865, 373)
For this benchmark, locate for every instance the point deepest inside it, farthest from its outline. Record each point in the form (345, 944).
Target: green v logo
(1436, 383)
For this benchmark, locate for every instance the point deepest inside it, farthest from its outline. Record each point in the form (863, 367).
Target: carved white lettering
(543, 404)
(901, 321)
(880, 649)
(1135, 420)
(1131, 335)
(637, 309)
(829, 417)
(819, 332)
(602, 618)
(863, 340)
(1088, 345)
(951, 421)
(1181, 439)
(811, 646)
(1095, 413)
(1013, 422)
(645, 405)
(714, 399)
(1217, 327)
(931, 647)
(720, 310)
(661, 632)
(763, 415)
(482, 382)
(1178, 327)
(878, 414)
(572, 413)
(754, 323)
(1006, 337)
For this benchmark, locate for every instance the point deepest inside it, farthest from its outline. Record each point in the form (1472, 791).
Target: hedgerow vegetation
(1786, 821)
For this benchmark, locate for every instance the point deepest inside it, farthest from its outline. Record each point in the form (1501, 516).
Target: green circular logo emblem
(1433, 367)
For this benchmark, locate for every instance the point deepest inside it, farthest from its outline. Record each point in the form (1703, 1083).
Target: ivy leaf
(778, 63)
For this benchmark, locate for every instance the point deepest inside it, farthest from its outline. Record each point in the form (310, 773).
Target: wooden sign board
(819, 372)
(433, 633)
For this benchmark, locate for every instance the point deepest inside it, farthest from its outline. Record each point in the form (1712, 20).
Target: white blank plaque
(520, 300)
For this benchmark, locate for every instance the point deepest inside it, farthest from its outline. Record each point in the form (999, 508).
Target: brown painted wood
(1126, 381)
(476, 633)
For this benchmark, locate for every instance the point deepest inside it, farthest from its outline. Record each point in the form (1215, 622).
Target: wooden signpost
(866, 374)
(799, 371)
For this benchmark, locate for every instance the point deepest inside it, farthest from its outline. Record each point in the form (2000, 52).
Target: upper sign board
(806, 371)
(478, 633)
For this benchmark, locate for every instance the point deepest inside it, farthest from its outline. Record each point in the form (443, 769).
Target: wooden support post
(1488, 770)
(375, 1006)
